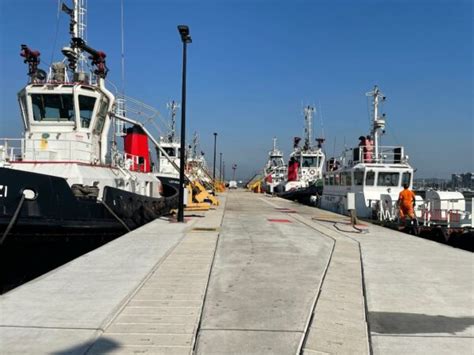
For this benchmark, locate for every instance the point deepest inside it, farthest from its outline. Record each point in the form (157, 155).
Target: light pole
(185, 38)
(234, 167)
(223, 172)
(214, 166)
(220, 167)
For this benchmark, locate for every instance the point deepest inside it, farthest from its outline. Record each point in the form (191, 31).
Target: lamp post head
(184, 32)
(215, 134)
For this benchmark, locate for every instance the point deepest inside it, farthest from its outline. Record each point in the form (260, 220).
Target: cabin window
(331, 179)
(101, 115)
(326, 180)
(348, 179)
(406, 178)
(53, 107)
(370, 178)
(358, 178)
(337, 180)
(86, 107)
(170, 151)
(310, 162)
(345, 179)
(388, 179)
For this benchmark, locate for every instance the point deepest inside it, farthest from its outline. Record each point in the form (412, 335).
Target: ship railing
(364, 154)
(21, 149)
(129, 162)
(10, 150)
(450, 216)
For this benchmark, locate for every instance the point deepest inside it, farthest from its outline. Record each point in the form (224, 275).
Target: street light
(220, 167)
(234, 167)
(185, 38)
(214, 166)
(223, 171)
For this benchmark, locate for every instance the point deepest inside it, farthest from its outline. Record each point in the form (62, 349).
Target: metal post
(214, 166)
(220, 167)
(185, 38)
(223, 172)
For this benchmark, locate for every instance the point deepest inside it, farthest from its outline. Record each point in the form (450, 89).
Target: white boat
(62, 177)
(305, 168)
(169, 155)
(275, 171)
(374, 175)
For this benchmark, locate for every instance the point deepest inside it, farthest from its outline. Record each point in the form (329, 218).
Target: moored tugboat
(305, 168)
(62, 178)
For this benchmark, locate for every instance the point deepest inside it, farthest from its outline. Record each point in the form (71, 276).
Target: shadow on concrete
(100, 346)
(411, 323)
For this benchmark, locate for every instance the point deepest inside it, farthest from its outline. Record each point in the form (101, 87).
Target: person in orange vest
(406, 202)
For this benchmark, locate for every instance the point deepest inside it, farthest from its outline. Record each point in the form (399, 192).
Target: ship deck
(257, 275)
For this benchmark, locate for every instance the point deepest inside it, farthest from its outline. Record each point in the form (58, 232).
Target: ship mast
(274, 144)
(308, 117)
(378, 123)
(195, 145)
(173, 107)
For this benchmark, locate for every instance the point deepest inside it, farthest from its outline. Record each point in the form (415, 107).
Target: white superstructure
(310, 158)
(67, 117)
(369, 171)
(275, 170)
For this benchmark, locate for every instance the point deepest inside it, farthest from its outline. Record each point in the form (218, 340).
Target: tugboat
(275, 170)
(305, 168)
(374, 173)
(168, 165)
(61, 178)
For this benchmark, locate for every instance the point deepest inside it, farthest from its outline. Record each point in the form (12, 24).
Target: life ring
(312, 172)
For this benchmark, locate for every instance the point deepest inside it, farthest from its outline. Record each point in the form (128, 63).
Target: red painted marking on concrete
(279, 220)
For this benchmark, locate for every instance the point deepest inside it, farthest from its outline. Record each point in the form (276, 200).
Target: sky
(252, 66)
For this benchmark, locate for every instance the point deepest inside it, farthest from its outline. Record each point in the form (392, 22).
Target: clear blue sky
(253, 63)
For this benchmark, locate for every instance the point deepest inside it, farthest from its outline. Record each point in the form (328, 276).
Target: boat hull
(56, 212)
(307, 195)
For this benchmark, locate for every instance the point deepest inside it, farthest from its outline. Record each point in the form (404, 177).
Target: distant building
(462, 181)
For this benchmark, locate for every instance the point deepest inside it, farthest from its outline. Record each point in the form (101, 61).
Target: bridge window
(101, 115)
(310, 162)
(370, 178)
(86, 107)
(53, 107)
(388, 179)
(344, 178)
(170, 151)
(406, 178)
(358, 178)
(331, 179)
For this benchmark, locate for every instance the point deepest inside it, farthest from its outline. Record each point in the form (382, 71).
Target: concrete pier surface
(257, 275)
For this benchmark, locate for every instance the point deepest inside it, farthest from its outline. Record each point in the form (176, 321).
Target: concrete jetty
(257, 275)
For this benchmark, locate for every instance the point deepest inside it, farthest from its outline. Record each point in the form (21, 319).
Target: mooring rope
(13, 220)
(115, 215)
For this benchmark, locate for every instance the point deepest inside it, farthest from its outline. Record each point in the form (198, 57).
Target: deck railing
(386, 155)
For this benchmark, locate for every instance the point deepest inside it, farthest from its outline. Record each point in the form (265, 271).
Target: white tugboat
(275, 170)
(168, 165)
(305, 168)
(374, 173)
(61, 177)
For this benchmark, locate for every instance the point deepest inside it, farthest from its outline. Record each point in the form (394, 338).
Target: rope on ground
(13, 220)
(335, 223)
